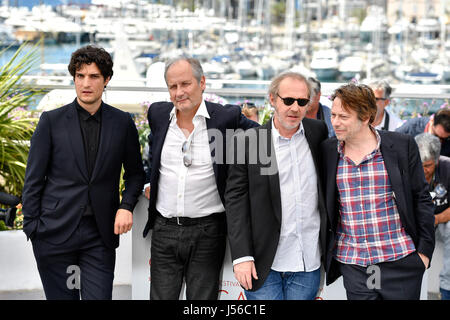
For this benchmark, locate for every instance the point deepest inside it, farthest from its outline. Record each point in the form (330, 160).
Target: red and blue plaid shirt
(369, 229)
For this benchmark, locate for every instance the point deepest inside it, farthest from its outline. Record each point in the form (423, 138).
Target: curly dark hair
(91, 54)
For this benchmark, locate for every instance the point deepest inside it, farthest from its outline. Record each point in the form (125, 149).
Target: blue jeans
(287, 286)
(445, 294)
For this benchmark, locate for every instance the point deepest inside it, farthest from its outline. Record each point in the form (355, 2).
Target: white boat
(7, 38)
(125, 70)
(325, 65)
(213, 70)
(424, 77)
(352, 67)
(54, 74)
(245, 69)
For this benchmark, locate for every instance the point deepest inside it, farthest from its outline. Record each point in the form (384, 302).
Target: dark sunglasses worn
(382, 99)
(288, 101)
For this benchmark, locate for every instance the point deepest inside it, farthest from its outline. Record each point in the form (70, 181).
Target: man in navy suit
(188, 171)
(71, 207)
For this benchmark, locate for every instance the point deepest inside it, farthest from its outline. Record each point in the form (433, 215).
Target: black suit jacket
(253, 200)
(404, 167)
(57, 188)
(222, 118)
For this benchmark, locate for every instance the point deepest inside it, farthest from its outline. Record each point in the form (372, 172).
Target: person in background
(316, 110)
(250, 111)
(438, 124)
(437, 174)
(384, 119)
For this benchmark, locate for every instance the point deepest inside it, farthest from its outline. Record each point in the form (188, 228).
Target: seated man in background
(437, 174)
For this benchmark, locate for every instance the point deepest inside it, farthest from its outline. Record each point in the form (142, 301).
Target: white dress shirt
(299, 247)
(394, 121)
(187, 191)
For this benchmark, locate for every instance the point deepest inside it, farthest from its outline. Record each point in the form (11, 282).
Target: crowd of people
(314, 192)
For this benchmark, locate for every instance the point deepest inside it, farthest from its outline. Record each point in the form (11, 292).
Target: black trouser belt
(184, 221)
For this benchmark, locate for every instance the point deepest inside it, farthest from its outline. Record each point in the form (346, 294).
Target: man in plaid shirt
(381, 224)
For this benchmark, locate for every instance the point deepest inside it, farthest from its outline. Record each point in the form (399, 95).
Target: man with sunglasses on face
(438, 125)
(187, 182)
(276, 218)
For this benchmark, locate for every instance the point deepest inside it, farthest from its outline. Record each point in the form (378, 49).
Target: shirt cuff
(243, 259)
(145, 186)
(126, 206)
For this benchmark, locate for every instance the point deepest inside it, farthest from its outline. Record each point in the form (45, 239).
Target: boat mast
(289, 33)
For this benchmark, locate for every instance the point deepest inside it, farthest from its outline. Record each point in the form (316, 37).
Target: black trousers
(193, 251)
(395, 280)
(81, 266)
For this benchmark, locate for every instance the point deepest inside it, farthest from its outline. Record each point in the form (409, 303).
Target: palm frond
(16, 124)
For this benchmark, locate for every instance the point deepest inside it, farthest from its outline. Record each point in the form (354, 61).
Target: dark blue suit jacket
(221, 119)
(57, 187)
(404, 167)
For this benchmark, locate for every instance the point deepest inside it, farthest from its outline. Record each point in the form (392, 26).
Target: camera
(8, 215)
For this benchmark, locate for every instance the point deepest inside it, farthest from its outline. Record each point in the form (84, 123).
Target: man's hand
(243, 273)
(425, 259)
(147, 192)
(123, 222)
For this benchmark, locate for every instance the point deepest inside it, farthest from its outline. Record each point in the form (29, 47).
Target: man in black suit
(274, 202)
(71, 207)
(381, 233)
(187, 181)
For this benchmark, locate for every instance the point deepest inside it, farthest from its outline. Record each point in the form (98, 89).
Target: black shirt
(90, 130)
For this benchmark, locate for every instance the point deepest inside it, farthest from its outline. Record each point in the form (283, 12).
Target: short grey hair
(315, 85)
(275, 84)
(429, 147)
(197, 69)
(384, 85)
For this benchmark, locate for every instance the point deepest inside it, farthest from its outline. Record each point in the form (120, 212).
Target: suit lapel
(106, 133)
(331, 186)
(313, 144)
(393, 169)
(73, 133)
(157, 144)
(274, 179)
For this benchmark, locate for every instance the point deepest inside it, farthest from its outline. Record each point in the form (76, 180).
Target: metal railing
(407, 99)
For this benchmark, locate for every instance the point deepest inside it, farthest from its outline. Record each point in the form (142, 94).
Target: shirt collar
(202, 111)
(85, 115)
(277, 136)
(341, 144)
